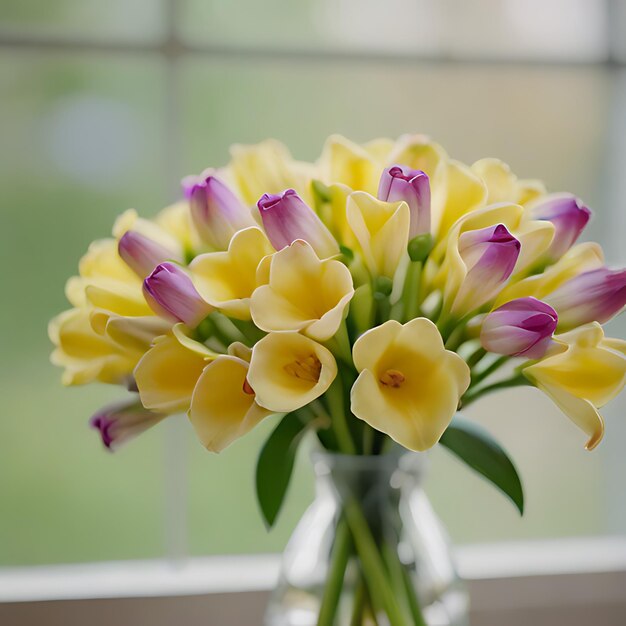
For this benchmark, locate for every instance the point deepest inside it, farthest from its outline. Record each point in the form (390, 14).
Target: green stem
(478, 377)
(358, 605)
(334, 398)
(402, 583)
(334, 581)
(516, 380)
(368, 439)
(248, 330)
(476, 356)
(411, 291)
(373, 566)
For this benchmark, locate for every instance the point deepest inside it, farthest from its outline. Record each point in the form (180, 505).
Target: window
(107, 105)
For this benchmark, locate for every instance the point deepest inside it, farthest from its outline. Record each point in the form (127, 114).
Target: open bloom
(223, 406)
(171, 294)
(286, 217)
(403, 183)
(216, 211)
(569, 216)
(489, 256)
(409, 385)
(226, 280)
(167, 374)
(522, 327)
(582, 372)
(597, 296)
(381, 229)
(123, 421)
(289, 370)
(303, 293)
(503, 185)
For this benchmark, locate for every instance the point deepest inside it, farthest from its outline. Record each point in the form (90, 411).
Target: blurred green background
(105, 106)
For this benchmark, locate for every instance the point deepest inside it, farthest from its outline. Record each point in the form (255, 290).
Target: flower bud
(120, 422)
(216, 212)
(569, 217)
(489, 255)
(286, 217)
(143, 254)
(403, 183)
(171, 294)
(594, 296)
(522, 327)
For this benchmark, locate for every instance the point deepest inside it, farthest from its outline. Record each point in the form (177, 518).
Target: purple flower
(143, 254)
(216, 212)
(171, 294)
(122, 421)
(286, 218)
(489, 255)
(594, 296)
(403, 183)
(569, 216)
(522, 327)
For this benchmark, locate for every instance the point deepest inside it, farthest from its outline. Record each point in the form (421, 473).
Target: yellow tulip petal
(222, 410)
(129, 220)
(167, 374)
(289, 370)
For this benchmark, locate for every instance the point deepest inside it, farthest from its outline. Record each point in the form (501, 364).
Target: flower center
(247, 388)
(392, 378)
(307, 368)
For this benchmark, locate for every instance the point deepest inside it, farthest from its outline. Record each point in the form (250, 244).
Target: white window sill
(548, 582)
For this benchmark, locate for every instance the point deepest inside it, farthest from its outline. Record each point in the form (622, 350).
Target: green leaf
(474, 445)
(275, 465)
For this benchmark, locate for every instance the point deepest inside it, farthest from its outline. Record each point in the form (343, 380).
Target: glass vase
(369, 550)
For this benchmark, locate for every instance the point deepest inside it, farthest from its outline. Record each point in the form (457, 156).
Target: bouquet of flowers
(366, 298)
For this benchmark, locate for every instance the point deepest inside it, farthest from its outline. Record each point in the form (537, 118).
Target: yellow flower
(226, 280)
(581, 373)
(409, 385)
(348, 163)
(289, 370)
(223, 406)
(503, 185)
(267, 167)
(167, 373)
(382, 230)
(86, 355)
(304, 293)
(583, 257)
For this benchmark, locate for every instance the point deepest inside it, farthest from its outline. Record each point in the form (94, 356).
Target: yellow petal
(345, 162)
(226, 280)
(382, 230)
(289, 370)
(588, 368)
(103, 261)
(135, 332)
(176, 220)
(304, 293)
(268, 167)
(221, 408)
(580, 411)
(167, 374)
(86, 355)
(412, 385)
(464, 193)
